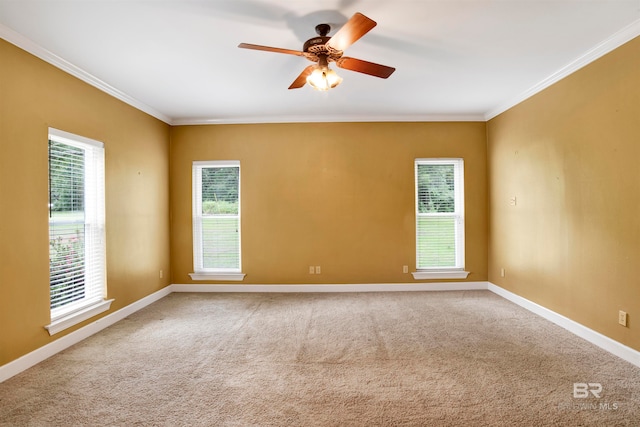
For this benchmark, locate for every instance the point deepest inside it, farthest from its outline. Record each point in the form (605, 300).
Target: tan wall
(33, 96)
(570, 156)
(337, 195)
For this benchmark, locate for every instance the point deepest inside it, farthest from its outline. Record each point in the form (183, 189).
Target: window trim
(218, 276)
(67, 316)
(201, 273)
(87, 312)
(458, 271)
(441, 274)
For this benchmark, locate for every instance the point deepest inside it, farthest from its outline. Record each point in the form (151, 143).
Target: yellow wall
(570, 157)
(34, 96)
(338, 195)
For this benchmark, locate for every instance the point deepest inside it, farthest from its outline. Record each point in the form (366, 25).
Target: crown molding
(616, 40)
(619, 38)
(331, 119)
(35, 49)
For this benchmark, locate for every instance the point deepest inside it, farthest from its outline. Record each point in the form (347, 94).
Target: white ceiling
(454, 60)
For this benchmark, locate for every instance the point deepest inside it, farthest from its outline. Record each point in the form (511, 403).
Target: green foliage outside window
(436, 189)
(66, 177)
(220, 190)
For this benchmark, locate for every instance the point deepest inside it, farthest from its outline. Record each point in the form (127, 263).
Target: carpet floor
(352, 359)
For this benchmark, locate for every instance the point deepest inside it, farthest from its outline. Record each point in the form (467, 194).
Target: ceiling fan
(323, 49)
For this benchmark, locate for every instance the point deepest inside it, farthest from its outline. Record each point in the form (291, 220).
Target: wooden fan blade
(365, 67)
(269, 49)
(356, 27)
(302, 78)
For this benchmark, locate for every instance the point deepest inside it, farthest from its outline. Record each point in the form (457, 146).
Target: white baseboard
(365, 287)
(28, 360)
(604, 342)
(15, 367)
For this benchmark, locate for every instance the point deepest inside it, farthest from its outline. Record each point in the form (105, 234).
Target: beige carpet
(362, 359)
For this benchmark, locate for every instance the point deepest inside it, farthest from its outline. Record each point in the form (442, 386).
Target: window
(77, 278)
(216, 221)
(439, 218)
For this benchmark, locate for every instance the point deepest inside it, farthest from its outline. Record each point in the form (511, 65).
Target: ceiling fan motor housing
(316, 41)
(316, 47)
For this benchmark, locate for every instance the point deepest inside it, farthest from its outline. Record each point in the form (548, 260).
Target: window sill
(76, 317)
(236, 277)
(440, 274)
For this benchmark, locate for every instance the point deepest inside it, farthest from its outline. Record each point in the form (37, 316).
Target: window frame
(456, 271)
(94, 256)
(200, 272)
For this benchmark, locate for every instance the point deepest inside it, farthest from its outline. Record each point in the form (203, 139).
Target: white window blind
(216, 216)
(77, 276)
(439, 214)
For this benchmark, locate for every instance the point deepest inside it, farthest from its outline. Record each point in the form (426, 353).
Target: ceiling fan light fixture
(323, 78)
(324, 49)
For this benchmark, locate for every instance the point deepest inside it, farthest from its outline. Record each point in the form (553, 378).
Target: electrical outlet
(317, 269)
(513, 201)
(161, 274)
(405, 268)
(622, 318)
(312, 269)
(502, 272)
